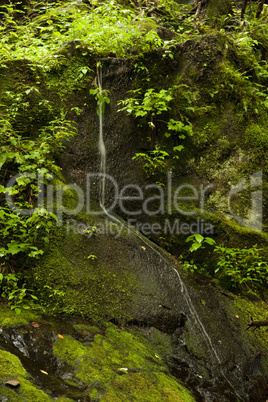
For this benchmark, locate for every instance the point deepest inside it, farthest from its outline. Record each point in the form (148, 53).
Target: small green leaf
(194, 247)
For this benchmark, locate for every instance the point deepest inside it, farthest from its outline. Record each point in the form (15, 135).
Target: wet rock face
(212, 353)
(134, 283)
(216, 155)
(131, 281)
(81, 156)
(72, 358)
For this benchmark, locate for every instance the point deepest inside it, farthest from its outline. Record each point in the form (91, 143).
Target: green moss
(11, 368)
(71, 349)
(146, 387)
(69, 281)
(257, 310)
(121, 366)
(160, 341)
(10, 318)
(244, 310)
(31, 393)
(257, 135)
(93, 394)
(218, 8)
(10, 365)
(90, 329)
(66, 75)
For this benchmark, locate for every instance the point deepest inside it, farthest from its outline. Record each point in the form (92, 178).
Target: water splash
(163, 258)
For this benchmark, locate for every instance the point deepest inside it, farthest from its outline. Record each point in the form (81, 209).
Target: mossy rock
(218, 8)
(82, 278)
(121, 366)
(12, 369)
(8, 317)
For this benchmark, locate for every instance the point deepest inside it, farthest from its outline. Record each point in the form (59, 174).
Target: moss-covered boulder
(217, 9)
(133, 282)
(120, 366)
(77, 360)
(12, 369)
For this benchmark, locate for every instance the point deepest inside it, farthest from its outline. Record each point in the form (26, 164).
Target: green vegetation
(100, 29)
(100, 286)
(27, 162)
(197, 99)
(150, 108)
(8, 318)
(121, 366)
(245, 268)
(15, 295)
(11, 368)
(239, 269)
(207, 94)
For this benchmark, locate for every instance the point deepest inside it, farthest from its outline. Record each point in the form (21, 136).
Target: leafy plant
(102, 98)
(26, 163)
(154, 162)
(26, 231)
(245, 268)
(92, 257)
(199, 241)
(149, 106)
(101, 29)
(50, 299)
(151, 103)
(17, 295)
(190, 265)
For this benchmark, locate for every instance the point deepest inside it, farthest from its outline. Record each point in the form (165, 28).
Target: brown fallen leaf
(44, 372)
(60, 336)
(35, 324)
(12, 383)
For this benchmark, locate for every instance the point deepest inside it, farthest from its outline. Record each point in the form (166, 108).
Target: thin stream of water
(127, 226)
(102, 148)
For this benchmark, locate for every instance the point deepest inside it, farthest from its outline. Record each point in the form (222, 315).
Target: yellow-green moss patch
(121, 366)
(10, 318)
(12, 369)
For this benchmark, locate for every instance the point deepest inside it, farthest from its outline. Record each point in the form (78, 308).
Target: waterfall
(102, 148)
(133, 230)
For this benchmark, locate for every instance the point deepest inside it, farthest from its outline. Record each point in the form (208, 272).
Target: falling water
(102, 148)
(164, 259)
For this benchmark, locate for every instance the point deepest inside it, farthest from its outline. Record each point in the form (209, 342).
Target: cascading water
(102, 148)
(133, 230)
